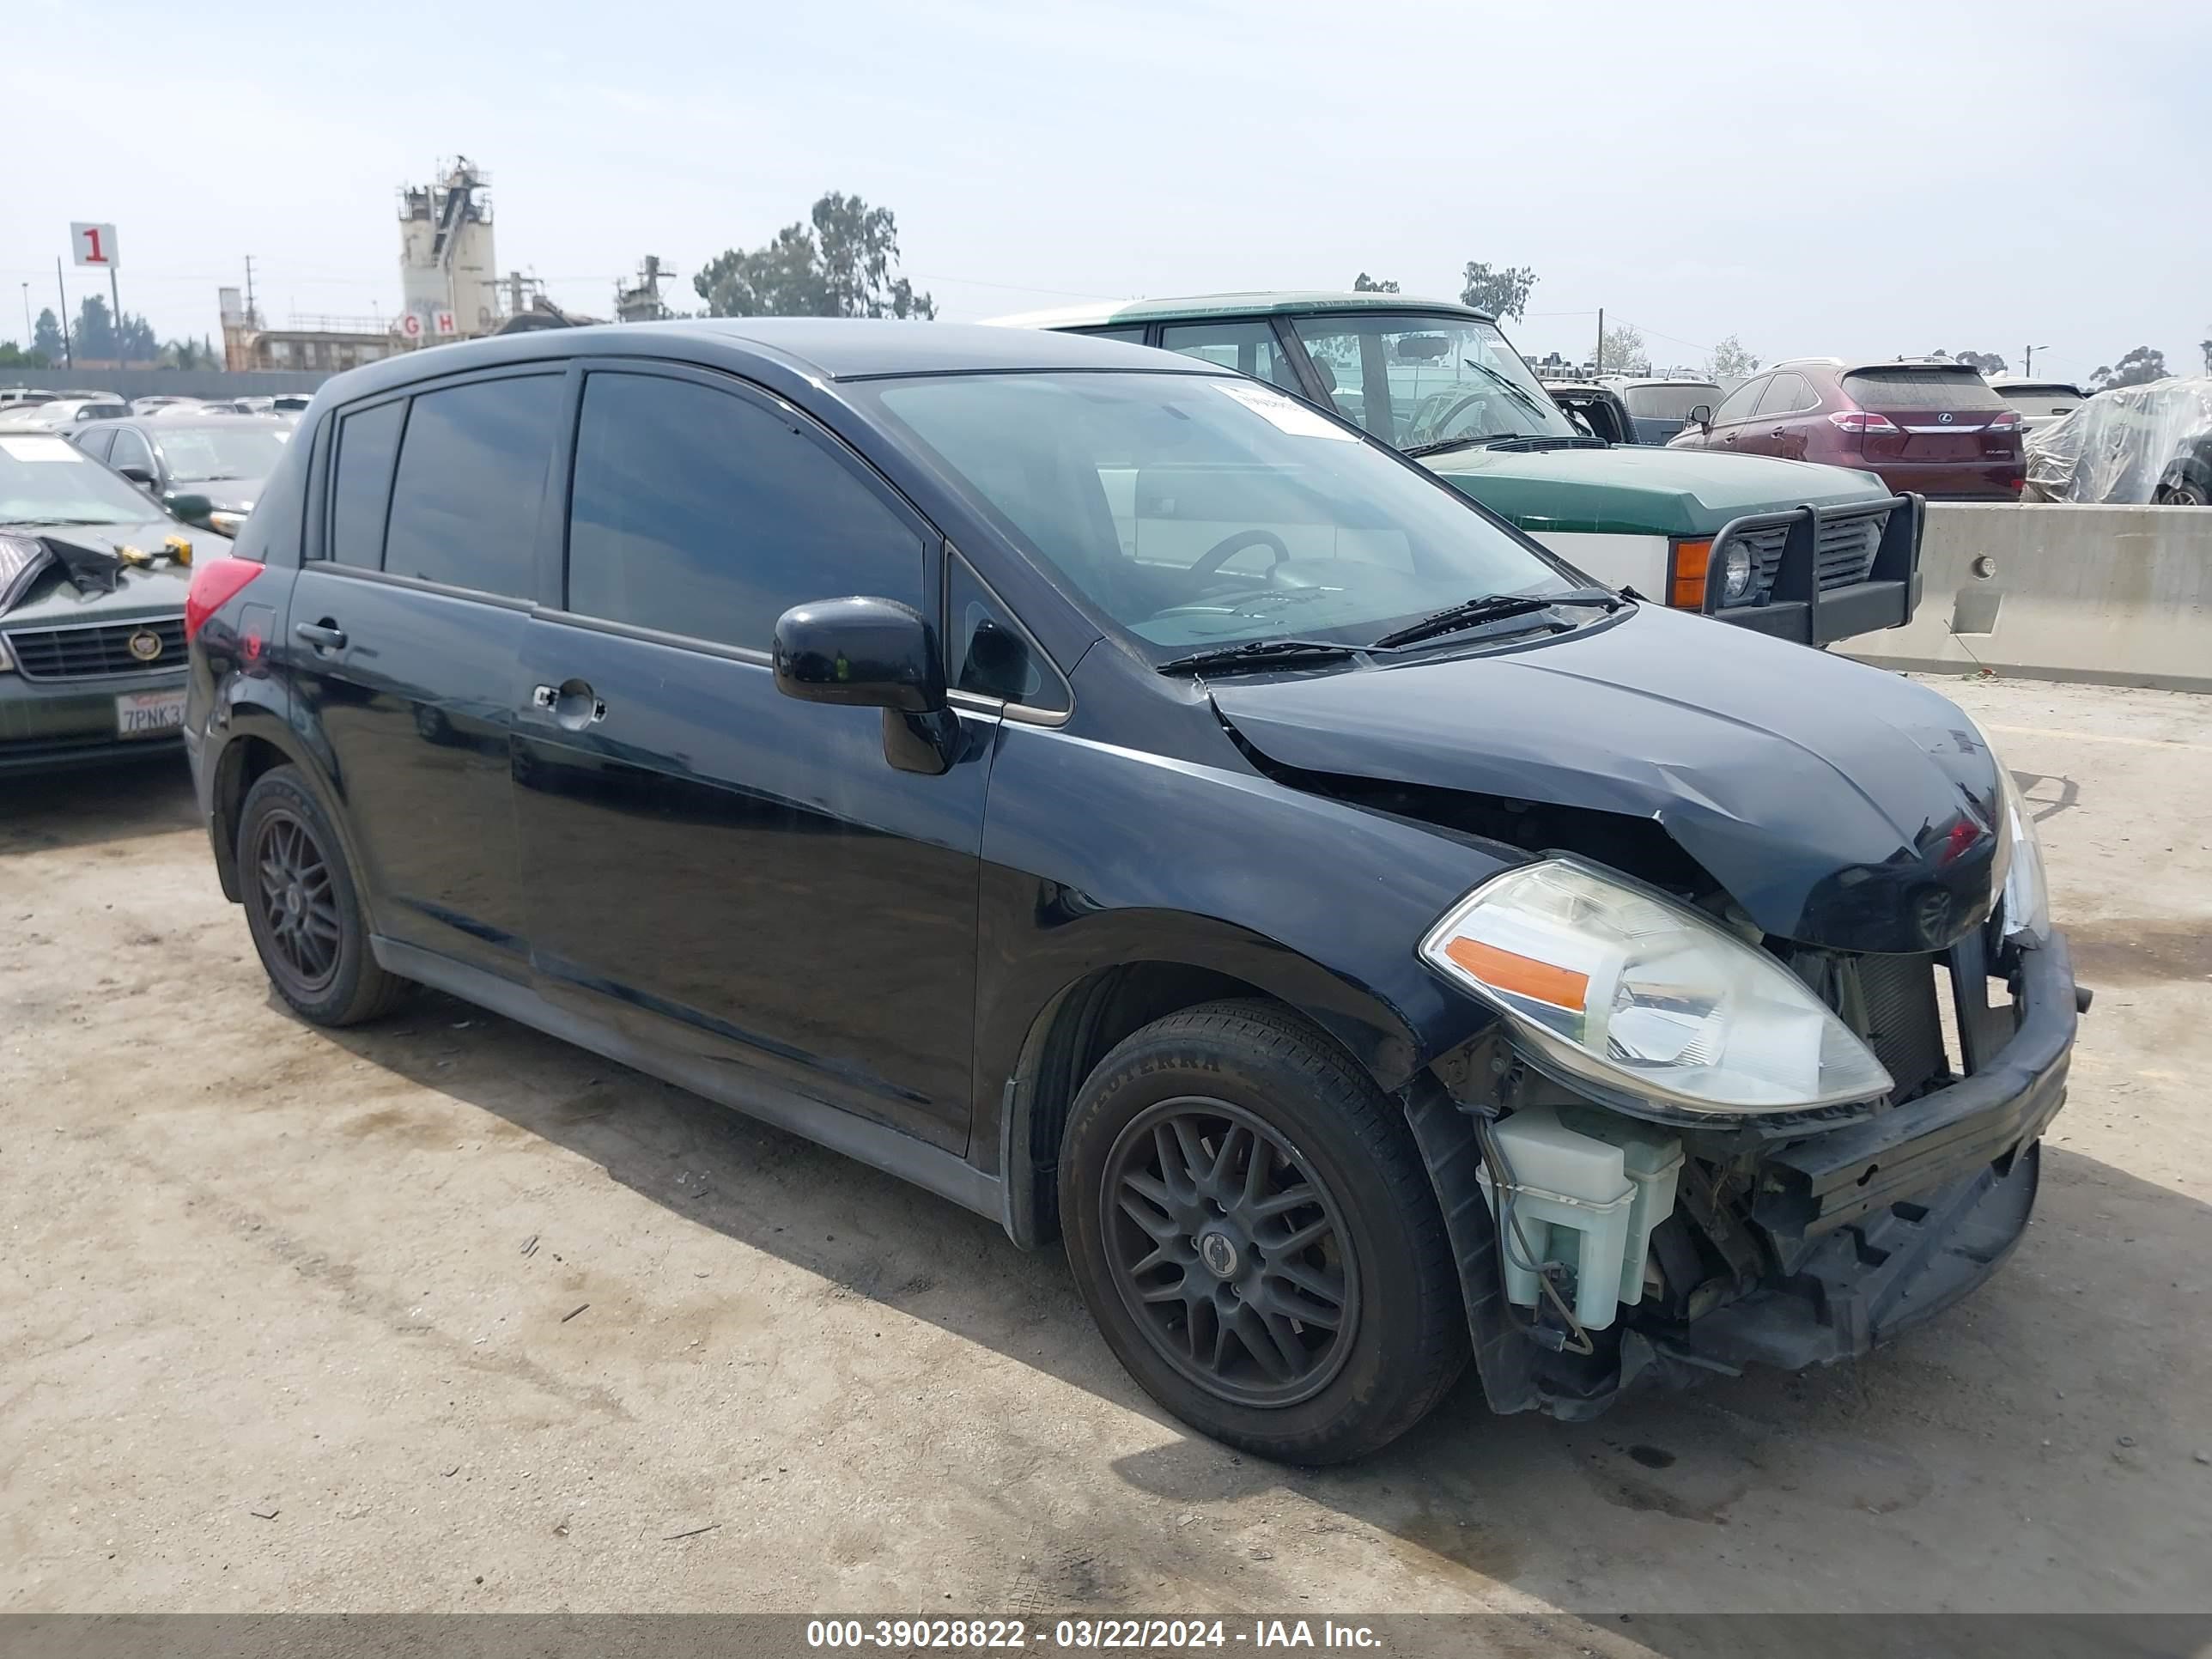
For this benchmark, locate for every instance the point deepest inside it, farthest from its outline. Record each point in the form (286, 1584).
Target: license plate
(149, 714)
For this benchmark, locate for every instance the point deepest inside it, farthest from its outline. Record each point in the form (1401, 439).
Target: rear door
(1934, 412)
(1778, 425)
(405, 637)
(721, 871)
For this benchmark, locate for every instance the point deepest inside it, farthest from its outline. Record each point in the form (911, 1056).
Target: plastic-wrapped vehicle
(2134, 444)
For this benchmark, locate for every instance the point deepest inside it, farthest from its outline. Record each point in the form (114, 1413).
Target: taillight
(2005, 422)
(1862, 420)
(1686, 563)
(214, 584)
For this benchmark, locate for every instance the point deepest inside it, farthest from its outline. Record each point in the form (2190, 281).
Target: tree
(2140, 367)
(14, 356)
(2205, 346)
(1502, 292)
(46, 337)
(1621, 351)
(1987, 362)
(189, 353)
(1363, 283)
(95, 330)
(842, 267)
(1731, 361)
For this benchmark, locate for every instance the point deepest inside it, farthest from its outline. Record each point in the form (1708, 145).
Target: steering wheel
(1220, 553)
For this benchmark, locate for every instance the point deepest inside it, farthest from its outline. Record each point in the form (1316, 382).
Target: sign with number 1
(94, 244)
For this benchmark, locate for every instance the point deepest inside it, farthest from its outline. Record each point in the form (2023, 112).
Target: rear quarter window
(472, 478)
(1920, 388)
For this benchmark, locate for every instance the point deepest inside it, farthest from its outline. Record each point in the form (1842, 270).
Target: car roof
(2021, 383)
(820, 348)
(1260, 303)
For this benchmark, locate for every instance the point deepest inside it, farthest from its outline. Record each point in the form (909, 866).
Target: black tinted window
(471, 474)
(1737, 406)
(367, 443)
(697, 512)
(989, 655)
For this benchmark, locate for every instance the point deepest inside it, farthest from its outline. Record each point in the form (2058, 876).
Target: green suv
(1814, 554)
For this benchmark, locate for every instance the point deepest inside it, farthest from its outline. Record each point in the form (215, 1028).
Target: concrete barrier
(2116, 595)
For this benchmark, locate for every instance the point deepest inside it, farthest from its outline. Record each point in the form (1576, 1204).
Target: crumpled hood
(1838, 805)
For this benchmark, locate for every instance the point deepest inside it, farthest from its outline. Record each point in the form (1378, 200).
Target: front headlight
(2027, 898)
(228, 523)
(1736, 574)
(1640, 994)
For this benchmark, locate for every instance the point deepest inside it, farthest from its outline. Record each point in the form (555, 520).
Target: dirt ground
(444, 1315)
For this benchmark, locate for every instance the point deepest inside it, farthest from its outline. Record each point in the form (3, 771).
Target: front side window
(472, 478)
(1414, 380)
(1248, 347)
(1192, 510)
(368, 442)
(129, 451)
(1739, 404)
(695, 511)
(1786, 394)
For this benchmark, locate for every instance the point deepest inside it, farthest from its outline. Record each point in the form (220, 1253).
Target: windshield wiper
(1259, 653)
(1442, 444)
(12, 522)
(1491, 607)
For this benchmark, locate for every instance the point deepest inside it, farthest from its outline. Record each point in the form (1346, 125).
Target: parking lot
(443, 1314)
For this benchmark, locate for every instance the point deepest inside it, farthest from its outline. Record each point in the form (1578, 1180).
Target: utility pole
(1600, 359)
(68, 351)
(2027, 366)
(251, 321)
(29, 332)
(115, 304)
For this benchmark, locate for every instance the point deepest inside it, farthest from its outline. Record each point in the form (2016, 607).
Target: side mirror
(141, 475)
(193, 510)
(1700, 415)
(872, 653)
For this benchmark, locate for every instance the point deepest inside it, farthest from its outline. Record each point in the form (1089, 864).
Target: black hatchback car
(1139, 806)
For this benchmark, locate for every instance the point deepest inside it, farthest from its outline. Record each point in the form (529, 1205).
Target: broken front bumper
(1878, 1226)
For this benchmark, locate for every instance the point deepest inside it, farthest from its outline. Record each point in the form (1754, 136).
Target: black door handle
(324, 635)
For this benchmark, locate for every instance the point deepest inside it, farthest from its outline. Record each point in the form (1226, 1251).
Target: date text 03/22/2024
(1153, 1634)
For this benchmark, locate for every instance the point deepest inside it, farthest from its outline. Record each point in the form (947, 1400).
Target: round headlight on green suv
(1737, 574)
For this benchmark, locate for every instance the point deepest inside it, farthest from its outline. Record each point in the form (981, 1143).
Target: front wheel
(1249, 1224)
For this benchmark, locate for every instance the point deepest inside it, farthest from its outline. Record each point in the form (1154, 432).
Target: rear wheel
(303, 909)
(1250, 1225)
(2187, 485)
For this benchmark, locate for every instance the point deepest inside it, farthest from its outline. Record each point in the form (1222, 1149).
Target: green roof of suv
(1440, 381)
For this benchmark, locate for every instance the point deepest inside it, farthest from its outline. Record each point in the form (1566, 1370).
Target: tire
(303, 908)
(1214, 1289)
(2186, 485)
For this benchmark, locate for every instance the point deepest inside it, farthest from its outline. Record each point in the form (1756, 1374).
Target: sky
(1859, 180)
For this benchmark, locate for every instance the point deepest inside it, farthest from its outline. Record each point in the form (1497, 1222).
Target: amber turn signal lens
(1685, 589)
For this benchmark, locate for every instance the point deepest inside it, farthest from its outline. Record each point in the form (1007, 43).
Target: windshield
(1410, 379)
(1669, 403)
(203, 454)
(48, 480)
(1196, 511)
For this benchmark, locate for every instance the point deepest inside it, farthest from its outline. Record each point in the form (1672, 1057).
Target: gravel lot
(442, 1314)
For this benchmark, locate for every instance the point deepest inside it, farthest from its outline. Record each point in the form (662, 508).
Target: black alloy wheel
(1231, 1252)
(293, 889)
(303, 905)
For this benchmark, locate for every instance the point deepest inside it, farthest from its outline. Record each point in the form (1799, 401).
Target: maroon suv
(1926, 425)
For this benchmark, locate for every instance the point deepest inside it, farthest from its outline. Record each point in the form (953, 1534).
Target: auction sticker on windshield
(41, 449)
(149, 714)
(1286, 413)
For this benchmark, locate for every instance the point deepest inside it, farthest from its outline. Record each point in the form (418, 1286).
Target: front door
(405, 638)
(718, 869)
